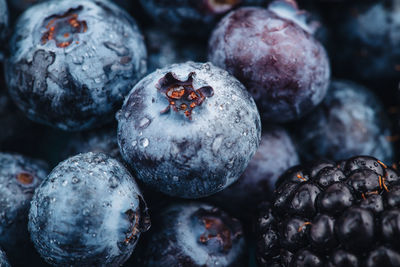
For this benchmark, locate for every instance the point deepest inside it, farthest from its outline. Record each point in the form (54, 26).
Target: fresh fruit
(275, 155)
(274, 54)
(19, 177)
(188, 130)
(350, 121)
(88, 212)
(368, 34)
(194, 234)
(72, 62)
(332, 214)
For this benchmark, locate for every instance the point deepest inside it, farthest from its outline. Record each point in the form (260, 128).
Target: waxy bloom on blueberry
(188, 130)
(72, 62)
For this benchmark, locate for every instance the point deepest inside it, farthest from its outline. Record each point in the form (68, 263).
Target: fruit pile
(199, 133)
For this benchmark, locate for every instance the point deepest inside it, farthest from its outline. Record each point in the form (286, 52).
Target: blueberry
(3, 259)
(273, 52)
(194, 234)
(350, 121)
(368, 33)
(275, 155)
(73, 61)
(187, 17)
(88, 212)
(19, 177)
(188, 130)
(165, 49)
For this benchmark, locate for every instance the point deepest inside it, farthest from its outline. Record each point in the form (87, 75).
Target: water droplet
(234, 97)
(217, 144)
(85, 67)
(237, 118)
(230, 163)
(206, 66)
(175, 178)
(75, 180)
(134, 143)
(144, 142)
(85, 212)
(97, 80)
(77, 60)
(144, 122)
(113, 182)
(53, 199)
(65, 183)
(127, 114)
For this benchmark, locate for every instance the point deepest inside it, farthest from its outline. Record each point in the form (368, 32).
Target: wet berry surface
(212, 133)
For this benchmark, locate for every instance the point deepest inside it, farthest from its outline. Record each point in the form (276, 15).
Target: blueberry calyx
(218, 230)
(25, 178)
(61, 28)
(181, 95)
(140, 221)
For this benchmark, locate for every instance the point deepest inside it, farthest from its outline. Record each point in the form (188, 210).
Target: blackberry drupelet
(332, 214)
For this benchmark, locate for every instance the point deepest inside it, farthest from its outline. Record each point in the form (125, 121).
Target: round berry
(273, 52)
(188, 130)
(19, 177)
(72, 62)
(194, 234)
(88, 212)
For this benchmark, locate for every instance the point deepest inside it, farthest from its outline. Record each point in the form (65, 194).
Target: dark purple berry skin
(3, 259)
(332, 214)
(350, 121)
(187, 17)
(275, 56)
(368, 33)
(275, 155)
(89, 211)
(19, 177)
(188, 130)
(72, 62)
(194, 234)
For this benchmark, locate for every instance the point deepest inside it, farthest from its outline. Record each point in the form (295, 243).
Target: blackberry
(332, 214)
